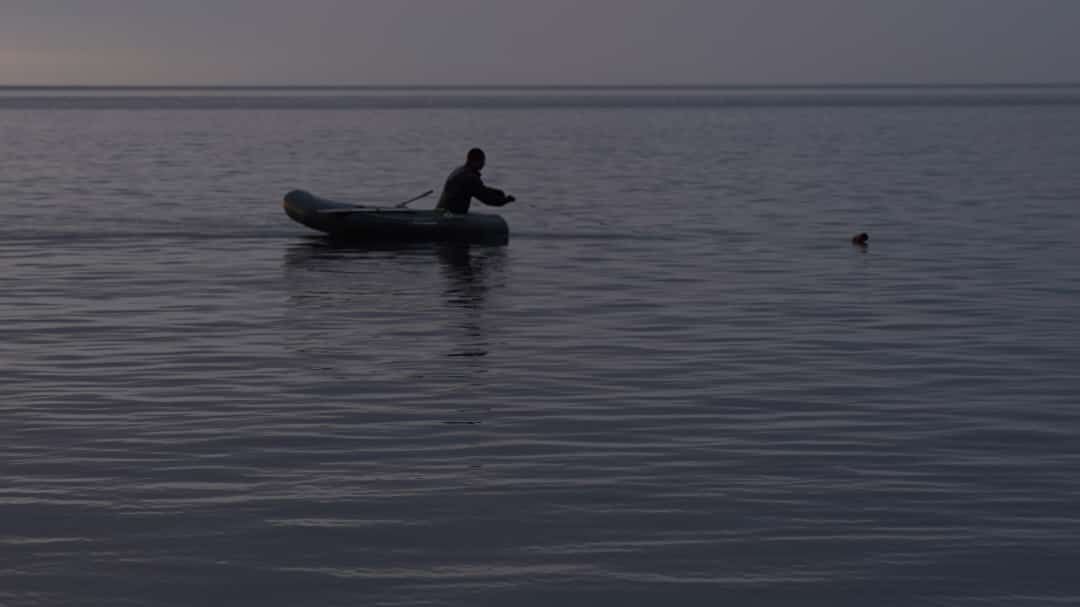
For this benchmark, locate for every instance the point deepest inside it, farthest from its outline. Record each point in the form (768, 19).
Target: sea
(680, 382)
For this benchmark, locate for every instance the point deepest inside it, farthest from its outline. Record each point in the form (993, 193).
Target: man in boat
(465, 183)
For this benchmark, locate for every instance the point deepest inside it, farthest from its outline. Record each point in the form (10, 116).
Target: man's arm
(489, 196)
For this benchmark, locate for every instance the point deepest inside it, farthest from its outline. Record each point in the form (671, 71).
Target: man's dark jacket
(462, 186)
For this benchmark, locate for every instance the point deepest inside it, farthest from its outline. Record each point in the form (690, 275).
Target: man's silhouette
(465, 183)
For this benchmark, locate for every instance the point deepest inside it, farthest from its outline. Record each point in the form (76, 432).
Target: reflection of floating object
(392, 224)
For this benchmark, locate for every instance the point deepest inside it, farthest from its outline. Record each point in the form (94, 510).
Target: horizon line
(558, 86)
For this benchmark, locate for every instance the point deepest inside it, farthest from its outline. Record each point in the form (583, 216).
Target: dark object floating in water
(381, 224)
(860, 239)
(468, 354)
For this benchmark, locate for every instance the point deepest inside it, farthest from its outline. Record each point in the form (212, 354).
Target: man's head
(476, 158)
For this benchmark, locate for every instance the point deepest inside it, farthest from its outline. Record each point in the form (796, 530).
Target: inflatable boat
(382, 224)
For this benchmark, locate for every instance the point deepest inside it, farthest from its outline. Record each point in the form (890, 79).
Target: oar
(360, 207)
(402, 205)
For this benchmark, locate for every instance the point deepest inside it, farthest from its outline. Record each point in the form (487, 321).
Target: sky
(506, 42)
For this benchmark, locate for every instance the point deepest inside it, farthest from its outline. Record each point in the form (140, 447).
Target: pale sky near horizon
(537, 42)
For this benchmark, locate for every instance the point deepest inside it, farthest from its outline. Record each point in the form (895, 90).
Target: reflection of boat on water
(392, 298)
(464, 265)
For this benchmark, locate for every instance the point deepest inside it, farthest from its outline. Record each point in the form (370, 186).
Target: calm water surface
(678, 383)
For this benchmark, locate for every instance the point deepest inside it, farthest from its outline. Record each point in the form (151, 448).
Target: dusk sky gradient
(537, 42)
